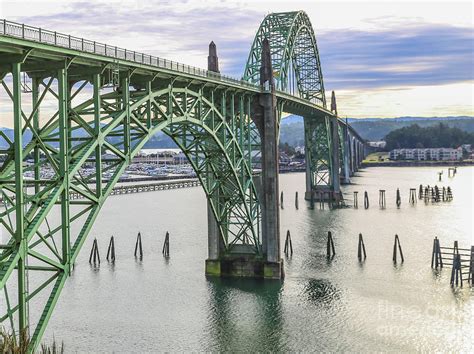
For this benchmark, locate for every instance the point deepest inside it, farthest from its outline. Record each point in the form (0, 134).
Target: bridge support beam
(336, 163)
(347, 167)
(273, 267)
(214, 237)
(238, 261)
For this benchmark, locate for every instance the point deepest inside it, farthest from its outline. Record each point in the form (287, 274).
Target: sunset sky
(383, 59)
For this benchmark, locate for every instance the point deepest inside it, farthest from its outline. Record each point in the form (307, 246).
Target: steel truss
(294, 52)
(86, 99)
(46, 229)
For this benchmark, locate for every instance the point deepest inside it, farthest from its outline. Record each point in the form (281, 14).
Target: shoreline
(417, 163)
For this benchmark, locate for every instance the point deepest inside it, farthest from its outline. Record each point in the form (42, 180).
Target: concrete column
(351, 154)
(212, 59)
(356, 156)
(336, 164)
(346, 155)
(336, 184)
(215, 242)
(270, 189)
(307, 155)
(213, 234)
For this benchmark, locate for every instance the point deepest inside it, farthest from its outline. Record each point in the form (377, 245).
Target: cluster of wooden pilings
(94, 257)
(461, 261)
(434, 194)
(320, 198)
(361, 251)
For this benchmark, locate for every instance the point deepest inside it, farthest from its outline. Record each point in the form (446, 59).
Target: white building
(432, 154)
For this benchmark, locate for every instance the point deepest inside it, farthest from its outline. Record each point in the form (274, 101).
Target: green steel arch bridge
(72, 100)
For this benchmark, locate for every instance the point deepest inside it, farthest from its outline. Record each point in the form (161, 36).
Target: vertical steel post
(97, 130)
(36, 113)
(148, 105)
(20, 236)
(126, 107)
(64, 132)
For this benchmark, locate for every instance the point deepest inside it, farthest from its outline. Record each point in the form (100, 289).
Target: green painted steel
(297, 70)
(90, 108)
(295, 56)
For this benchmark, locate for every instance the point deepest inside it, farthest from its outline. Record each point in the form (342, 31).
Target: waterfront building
(427, 154)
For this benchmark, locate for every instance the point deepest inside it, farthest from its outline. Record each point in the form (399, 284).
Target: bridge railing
(35, 34)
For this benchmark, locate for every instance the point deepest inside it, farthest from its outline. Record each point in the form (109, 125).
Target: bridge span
(78, 98)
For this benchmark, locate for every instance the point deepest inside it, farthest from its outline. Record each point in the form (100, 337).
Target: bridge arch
(209, 125)
(203, 133)
(295, 55)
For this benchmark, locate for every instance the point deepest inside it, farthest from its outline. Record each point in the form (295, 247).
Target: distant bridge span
(79, 98)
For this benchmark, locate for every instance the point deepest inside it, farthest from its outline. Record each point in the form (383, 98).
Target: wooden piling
(420, 192)
(311, 205)
(330, 246)
(456, 271)
(436, 194)
(166, 245)
(111, 250)
(356, 200)
(321, 200)
(470, 278)
(281, 199)
(427, 194)
(399, 199)
(288, 244)
(412, 196)
(296, 200)
(396, 245)
(366, 200)
(138, 246)
(449, 194)
(382, 198)
(361, 249)
(94, 256)
(436, 259)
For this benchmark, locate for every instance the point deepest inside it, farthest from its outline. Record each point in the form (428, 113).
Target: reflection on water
(245, 314)
(321, 292)
(322, 305)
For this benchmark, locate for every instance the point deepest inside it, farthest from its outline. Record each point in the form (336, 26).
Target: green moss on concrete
(213, 267)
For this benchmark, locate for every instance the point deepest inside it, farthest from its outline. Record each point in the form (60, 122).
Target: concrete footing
(245, 266)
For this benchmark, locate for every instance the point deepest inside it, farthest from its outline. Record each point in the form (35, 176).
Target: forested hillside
(436, 136)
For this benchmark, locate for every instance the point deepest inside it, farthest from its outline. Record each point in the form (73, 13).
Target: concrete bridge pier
(273, 264)
(237, 262)
(347, 167)
(336, 163)
(214, 237)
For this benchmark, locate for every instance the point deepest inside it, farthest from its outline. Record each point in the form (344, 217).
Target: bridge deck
(45, 50)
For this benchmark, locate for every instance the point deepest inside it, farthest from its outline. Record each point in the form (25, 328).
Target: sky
(383, 59)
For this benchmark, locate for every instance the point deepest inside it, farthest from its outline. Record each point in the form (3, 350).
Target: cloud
(413, 55)
(176, 30)
(387, 53)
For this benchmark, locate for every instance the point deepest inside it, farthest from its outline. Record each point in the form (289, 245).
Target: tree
(436, 136)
